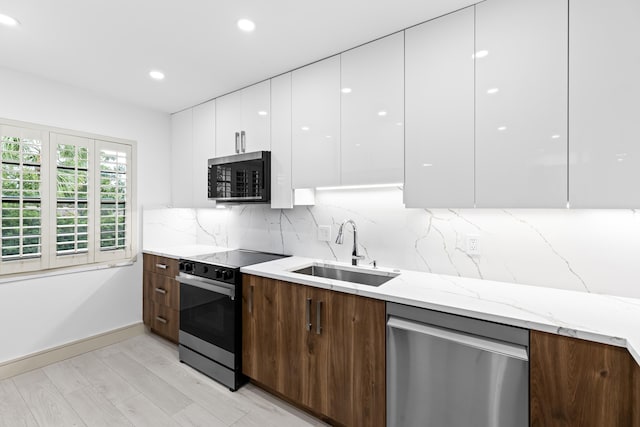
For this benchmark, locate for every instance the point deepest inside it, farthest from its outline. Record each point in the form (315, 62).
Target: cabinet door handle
(319, 318)
(161, 319)
(237, 142)
(161, 291)
(243, 141)
(161, 266)
(251, 299)
(308, 315)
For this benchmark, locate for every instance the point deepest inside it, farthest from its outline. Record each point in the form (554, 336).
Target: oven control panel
(213, 272)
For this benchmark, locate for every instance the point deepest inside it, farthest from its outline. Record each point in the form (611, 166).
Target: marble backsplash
(584, 250)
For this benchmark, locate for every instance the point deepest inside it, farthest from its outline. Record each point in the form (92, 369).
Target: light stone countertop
(182, 251)
(600, 318)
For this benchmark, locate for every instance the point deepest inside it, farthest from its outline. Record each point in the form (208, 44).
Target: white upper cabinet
(372, 112)
(439, 146)
(316, 124)
(243, 120)
(521, 103)
(182, 159)
(256, 117)
(604, 104)
(204, 138)
(281, 190)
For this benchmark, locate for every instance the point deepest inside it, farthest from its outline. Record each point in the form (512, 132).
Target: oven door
(208, 318)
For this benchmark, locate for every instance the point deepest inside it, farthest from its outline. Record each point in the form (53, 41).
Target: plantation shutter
(114, 198)
(24, 199)
(70, 177)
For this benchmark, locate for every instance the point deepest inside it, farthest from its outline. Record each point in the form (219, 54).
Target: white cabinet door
(521, 103)
(439, 147)
(228, 121)
(182, 159)
(242, 119)
(204, 146)
(316, 124)
(281, 190)
(372, 112)
(255, 119)
(604, 104)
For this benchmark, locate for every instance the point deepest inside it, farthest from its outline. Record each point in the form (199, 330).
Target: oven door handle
(220, 288)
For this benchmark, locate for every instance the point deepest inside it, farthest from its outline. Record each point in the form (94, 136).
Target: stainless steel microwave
(240, 178)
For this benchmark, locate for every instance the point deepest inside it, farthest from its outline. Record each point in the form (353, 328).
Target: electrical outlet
(473, 244)
(324, 233)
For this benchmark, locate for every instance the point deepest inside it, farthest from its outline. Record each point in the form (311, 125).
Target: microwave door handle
(243, 141)
(237, 142)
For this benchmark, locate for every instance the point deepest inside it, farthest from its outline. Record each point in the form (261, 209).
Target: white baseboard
(56, 354)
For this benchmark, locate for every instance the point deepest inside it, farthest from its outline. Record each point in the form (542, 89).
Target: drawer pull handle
(161, 266)
(251, 299)
(161, 319)
(161, 291)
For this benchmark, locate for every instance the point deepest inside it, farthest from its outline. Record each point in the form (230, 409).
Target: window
(66, 199)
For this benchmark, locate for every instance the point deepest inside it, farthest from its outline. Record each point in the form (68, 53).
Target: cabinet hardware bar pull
(308, 315)
(237, 142)
(161, 319)
(162, 266)
(319, 318)
(161, 291)
(243, 141)
(251, 299)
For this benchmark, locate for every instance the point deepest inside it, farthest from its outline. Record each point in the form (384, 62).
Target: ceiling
(109, 46)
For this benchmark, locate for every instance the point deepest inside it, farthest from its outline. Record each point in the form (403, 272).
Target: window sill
(32, 275)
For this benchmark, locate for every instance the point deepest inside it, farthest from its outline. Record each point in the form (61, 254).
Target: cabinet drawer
(161, 265)
(165, 321)
(163, 290)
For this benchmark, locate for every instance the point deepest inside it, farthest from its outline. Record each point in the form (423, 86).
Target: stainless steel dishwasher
(451, 371)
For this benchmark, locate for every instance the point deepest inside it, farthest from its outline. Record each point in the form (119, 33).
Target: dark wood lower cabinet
(161, 296)
(357, 362)
(322, 350)
(636, 395)
(583, 384)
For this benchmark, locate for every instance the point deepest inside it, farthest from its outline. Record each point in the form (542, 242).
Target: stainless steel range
(210, 336)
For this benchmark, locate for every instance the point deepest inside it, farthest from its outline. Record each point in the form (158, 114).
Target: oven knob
(218, 273)
(205, 269)
(227, 274)
(188, 267)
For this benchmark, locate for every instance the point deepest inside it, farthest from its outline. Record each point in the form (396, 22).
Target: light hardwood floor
(138, 382)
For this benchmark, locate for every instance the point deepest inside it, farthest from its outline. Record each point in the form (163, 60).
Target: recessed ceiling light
(501, 128)
(493, 90)
(427, 165)
(8, 21)
(555, 136)
(382, 113)
(480, 54)
(262, 113)
(346, 90)
(305, 128)
(156, 75)
(399, 124)
(246, 25)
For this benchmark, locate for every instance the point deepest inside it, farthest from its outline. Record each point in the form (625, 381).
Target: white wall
(582, 250)
(42, 313)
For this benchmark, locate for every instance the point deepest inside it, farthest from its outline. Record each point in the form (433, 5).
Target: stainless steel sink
(337, 273)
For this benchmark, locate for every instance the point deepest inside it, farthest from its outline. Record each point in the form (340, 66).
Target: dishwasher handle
(481, 343)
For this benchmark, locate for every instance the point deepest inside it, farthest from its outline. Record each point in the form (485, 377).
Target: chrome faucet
(340, 238)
